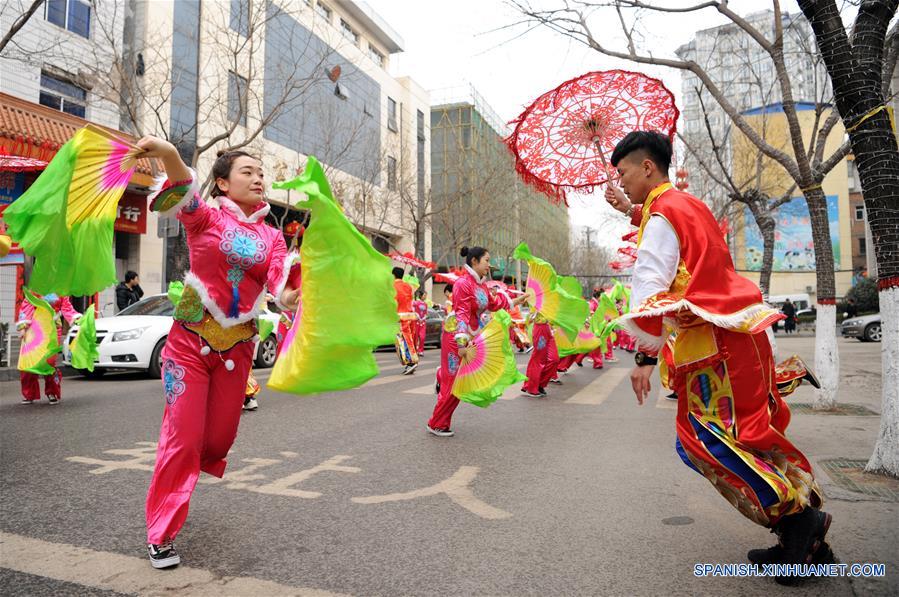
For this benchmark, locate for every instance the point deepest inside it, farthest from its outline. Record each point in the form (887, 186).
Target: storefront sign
(132, 214)
(12, 185)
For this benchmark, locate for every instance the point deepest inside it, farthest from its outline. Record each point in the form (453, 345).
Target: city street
(578, 493)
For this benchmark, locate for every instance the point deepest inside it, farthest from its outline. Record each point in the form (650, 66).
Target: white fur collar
(477, 278)
(237, 212)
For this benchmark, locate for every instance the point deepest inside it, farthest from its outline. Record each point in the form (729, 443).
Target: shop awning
(18, 163)
(32, 131)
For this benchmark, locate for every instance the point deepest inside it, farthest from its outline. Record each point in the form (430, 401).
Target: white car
(133, 339)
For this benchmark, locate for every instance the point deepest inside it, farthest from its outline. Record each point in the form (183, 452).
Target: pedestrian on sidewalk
(731, 420)
(789, 310)
(128, 291)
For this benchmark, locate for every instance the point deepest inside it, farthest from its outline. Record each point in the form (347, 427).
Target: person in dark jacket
(128, 292)
(790, 311)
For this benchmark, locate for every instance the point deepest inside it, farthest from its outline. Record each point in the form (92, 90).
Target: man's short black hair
(656, 146)
(130, 275)
(398, 273)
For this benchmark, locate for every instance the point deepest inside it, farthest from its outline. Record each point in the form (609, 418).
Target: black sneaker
(27, 401)
(556, 380)
(163, 556)
(53, 399)
(800, 535)
(542, 392)
(440, 432)
(579, 364)
(773, 555)
(534, 394)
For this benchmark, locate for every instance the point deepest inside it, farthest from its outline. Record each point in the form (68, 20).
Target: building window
(367, 110)
(74, 15)
(375, 55)
(348, 32)
(323, 11)
(862, 247)
(240, 17)
(420, 125)
(859, 213)
(237, 87)
(63, 95)
(391, 114)
(391, 173)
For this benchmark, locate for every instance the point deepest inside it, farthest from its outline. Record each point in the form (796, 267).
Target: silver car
(866, 328)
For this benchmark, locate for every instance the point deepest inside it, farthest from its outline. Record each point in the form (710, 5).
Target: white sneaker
(410, 369)
(441, 432)
(250, 404)
(163, 556)
(528, 349)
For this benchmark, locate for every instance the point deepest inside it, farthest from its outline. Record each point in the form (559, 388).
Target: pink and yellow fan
(585, 341)
(547, 296)
(39, 342)
(65, 219)
(485, 374)
(603, 322)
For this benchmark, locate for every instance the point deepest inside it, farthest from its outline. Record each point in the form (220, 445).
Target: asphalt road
(580, 493)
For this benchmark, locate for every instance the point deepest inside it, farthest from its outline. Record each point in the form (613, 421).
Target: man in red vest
(731, 420)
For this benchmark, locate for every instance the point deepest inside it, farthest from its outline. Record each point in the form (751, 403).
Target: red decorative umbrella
(563, 140)
(450, 277)
(410, 259)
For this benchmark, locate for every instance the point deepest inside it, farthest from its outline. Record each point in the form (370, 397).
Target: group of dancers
(689, 309)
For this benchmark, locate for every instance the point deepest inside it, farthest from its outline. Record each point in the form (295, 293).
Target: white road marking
(380, 381)
(456, 488)
(600, 388)
(423, 390)
(128, 574)
(663, 401)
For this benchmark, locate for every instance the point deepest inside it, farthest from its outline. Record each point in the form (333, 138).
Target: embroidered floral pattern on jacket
(172, 380)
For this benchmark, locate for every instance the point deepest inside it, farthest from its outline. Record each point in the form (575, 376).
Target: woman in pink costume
(420, 307)
(471, 297)
(235, 258)
(31, 386)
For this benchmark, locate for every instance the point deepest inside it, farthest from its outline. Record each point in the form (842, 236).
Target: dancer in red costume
(731, 419)
(31, 387)
(235, 257)
(420, 307)
(470, 298)
(544, 362)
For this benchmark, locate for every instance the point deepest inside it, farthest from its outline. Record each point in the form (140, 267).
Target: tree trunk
(758, 207)
(827, 355)
(855, 71)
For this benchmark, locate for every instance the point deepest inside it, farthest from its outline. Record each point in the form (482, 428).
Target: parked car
(134, 338)
(866, 328)
(434, 327)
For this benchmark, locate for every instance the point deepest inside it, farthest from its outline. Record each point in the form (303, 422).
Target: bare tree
(19, 22)
(752, 191)
(861, 63)
(806, 164)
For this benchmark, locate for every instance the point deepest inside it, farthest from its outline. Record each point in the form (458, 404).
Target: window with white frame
(348, 32)
(63, 95)
(859, 213)
(391, 114)
(375, 55)
(74, 15)
(237, 88)
(323, 11)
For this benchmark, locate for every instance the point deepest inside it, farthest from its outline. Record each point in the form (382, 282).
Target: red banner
(132, 214)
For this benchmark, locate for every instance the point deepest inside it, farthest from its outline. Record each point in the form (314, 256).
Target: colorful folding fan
(349, 307)
(548, 297)
(65, 219)
(571, 285)
(84, 346)
(486, 373)
(39, 342)
(412, 281)
(585, 341)
(603, 321)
